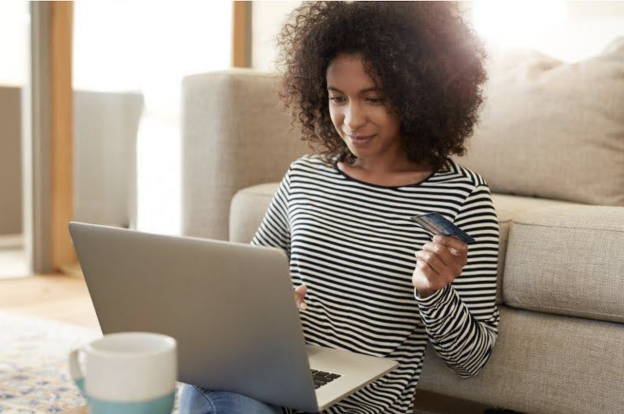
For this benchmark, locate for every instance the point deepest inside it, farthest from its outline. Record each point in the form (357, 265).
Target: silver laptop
(231, 308)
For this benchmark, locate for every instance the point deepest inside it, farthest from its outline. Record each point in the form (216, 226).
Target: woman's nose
(354, 117)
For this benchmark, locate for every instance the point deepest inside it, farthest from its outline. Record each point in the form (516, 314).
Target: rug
(34, 373)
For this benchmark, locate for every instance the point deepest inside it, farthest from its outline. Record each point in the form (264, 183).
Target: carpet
(34, 374)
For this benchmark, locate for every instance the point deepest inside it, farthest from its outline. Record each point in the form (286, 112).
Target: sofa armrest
(248, 208)
(233, 136)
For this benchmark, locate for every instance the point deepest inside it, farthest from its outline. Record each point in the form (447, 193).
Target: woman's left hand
(439, 263)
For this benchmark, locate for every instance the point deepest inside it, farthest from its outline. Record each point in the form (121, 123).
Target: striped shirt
(353, 245)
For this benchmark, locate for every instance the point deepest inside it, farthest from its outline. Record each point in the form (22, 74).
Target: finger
(300, 293)
(301, 305)
(456, 263)
(458, 246)
(430, 276)
(445, 273)
(460, 252)
(431, 259)
(424, 276)
(443, 262)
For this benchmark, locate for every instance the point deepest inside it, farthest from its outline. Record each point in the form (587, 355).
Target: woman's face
(359, 111)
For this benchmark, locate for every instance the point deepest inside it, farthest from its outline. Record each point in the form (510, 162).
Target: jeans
(197, 400)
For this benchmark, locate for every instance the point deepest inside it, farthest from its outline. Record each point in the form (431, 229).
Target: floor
(66, 298)
(60, 297)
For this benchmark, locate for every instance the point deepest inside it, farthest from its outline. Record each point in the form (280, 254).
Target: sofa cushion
(541, 363)
(567, 260)
(554, 130)
(507, 208)
(247, 210)
(250, 204)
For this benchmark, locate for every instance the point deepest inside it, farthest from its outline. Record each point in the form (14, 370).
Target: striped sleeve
(274, 231)
(462, 319)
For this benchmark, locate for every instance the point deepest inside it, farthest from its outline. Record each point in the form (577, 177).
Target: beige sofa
(551, 146)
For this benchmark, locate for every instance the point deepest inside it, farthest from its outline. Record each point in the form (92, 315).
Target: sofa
(550, 144)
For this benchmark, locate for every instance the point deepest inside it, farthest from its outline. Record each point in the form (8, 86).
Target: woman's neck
(388, 166)
(385, 174)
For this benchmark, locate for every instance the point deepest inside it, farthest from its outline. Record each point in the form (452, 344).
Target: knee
(194, 401)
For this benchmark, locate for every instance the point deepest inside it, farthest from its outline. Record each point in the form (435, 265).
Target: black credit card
(438, 225)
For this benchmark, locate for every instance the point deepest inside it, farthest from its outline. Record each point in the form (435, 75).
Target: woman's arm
(461, 318)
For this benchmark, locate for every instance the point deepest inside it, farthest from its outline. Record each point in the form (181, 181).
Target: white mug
(128, 373)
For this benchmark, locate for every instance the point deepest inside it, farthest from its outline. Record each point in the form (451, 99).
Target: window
(124, 50)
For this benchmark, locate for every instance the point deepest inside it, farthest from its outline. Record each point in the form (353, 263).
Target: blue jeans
(197, 400)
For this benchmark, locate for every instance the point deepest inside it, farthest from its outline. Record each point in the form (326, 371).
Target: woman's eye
(341, 99)
(375, 100)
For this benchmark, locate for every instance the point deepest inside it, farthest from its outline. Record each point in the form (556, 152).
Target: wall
(267, 18)
(589, 27)
(586, 29)
(10, 161)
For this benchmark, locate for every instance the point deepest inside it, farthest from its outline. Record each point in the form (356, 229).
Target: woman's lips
(361, 140)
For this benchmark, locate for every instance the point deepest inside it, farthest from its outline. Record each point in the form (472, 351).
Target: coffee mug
(127, 373)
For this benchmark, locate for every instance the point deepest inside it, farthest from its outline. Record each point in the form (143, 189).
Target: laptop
(230, 306)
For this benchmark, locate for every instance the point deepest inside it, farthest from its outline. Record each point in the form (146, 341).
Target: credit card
(438, 225)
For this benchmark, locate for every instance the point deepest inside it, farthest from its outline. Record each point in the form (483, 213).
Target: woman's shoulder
(311, 162)
(458, 172)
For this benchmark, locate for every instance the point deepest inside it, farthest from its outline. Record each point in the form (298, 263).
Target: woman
(386, 92)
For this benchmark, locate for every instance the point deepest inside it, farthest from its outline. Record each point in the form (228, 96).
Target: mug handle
(75, 371)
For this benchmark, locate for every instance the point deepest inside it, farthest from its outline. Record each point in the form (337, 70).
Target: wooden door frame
(62, 122)
(241, 34)
(47, 140)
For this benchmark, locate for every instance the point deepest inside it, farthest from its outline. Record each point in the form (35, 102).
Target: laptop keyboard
(321, 377)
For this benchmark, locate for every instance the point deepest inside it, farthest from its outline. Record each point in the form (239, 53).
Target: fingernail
(437, 238)
(303, 306)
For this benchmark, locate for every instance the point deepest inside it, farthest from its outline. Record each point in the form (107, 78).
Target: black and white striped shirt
(353, 245)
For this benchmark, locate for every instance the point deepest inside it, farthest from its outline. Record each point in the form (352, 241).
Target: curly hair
(429, 61)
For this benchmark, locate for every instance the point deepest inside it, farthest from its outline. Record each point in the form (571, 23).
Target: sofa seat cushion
(567, 260)
(541, 363)
(250, 204)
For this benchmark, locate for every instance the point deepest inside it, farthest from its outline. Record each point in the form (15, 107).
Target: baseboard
(11, 241)
(427, 402)
(73, 270)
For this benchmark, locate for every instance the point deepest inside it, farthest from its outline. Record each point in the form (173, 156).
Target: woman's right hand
(300, 293)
